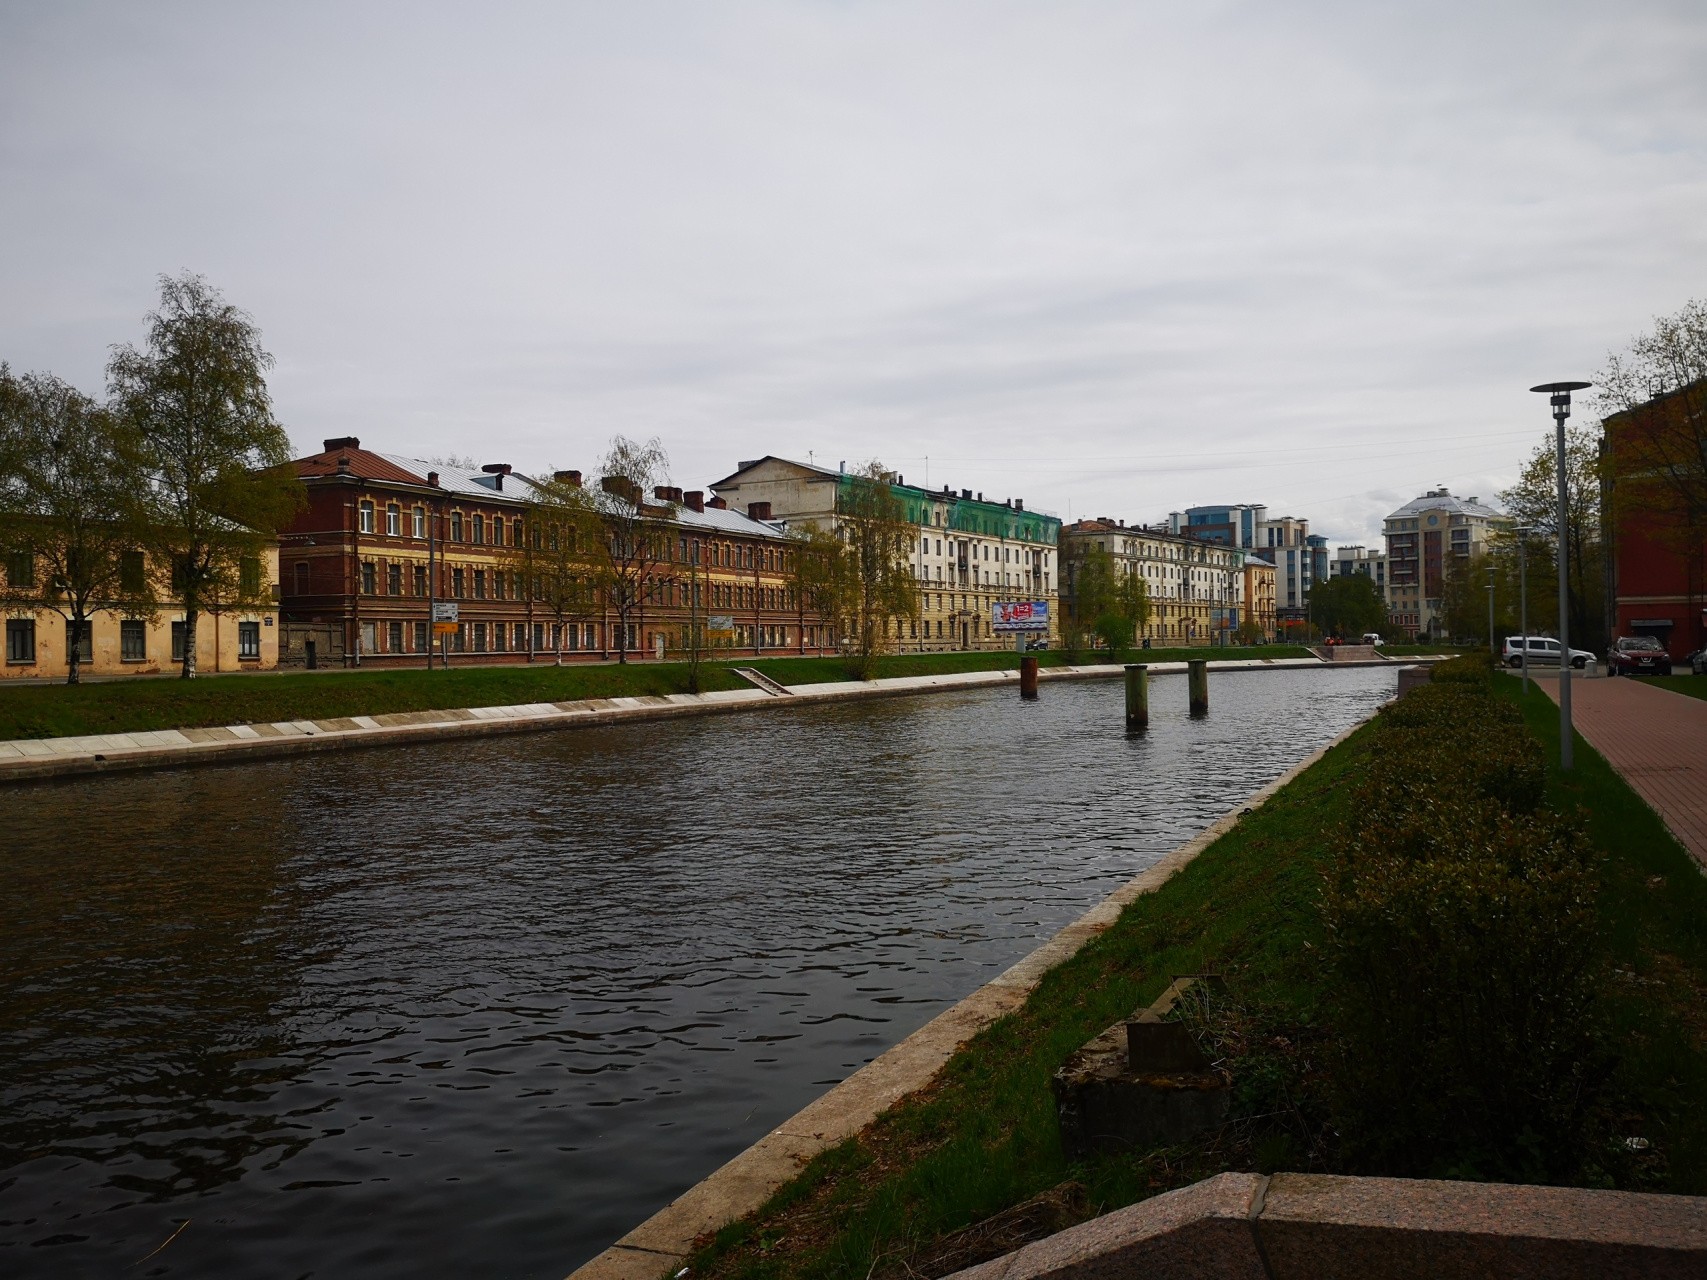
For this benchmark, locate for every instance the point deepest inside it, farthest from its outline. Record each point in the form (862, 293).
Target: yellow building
(125, 642)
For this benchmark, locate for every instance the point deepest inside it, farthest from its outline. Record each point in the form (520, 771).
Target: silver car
(1543, 651)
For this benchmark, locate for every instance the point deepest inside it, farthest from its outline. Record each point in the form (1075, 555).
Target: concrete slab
(364, 722)
(243, 731)
(35, 747)
(9, 750)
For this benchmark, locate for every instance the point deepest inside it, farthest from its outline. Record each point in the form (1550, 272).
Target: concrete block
(1102, 1104)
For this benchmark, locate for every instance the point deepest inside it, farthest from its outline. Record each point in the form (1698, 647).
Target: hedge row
(1465, 948)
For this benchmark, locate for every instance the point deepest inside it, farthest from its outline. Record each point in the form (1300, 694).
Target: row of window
(133, 640)
(504, 637)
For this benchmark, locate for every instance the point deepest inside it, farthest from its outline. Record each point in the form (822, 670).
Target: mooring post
(1028, 677)
(1198, 669)
(1137, 696)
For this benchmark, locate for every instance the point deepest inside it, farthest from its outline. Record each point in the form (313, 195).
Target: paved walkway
(1657, 740)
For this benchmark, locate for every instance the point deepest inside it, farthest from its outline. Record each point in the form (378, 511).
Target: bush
(1465, 947)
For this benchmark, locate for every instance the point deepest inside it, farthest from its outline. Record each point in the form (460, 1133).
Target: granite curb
(663, 1242)
(34, 759)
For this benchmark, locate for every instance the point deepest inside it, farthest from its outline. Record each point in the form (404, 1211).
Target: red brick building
(385, 537)
(1657, 561)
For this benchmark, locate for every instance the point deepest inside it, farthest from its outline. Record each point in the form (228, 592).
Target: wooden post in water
(1137, 697)
(1028, 677)
(1198, 669)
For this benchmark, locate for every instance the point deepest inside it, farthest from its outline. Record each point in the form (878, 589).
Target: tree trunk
(74, 651)
(189, 668)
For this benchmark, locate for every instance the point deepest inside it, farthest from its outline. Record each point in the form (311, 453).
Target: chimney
(433, 478)
(497, 468)
(676, 494)
(694, 499)
(661, 492)
(980, 495)
(717, 504)
(759, 510)
(570, 478)
(343, 464)
(341, 442)
(1019, 504)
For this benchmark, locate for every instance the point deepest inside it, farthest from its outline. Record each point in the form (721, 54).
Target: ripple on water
(478, 1007)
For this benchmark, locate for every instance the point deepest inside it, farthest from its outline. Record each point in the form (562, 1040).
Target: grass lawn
(902, 1198)
(1694, 686)
(120, 706)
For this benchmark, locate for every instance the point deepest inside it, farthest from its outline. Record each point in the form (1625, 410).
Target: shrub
(1465, 949)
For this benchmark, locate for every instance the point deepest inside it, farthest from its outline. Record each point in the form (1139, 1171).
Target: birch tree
(216, 480)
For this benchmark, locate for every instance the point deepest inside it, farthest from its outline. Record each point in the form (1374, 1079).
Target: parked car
(1543, 651)
(1372, 637)
(1698, 662)
(1637, 655)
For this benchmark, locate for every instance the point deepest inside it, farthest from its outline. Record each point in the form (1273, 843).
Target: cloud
(1110, 257)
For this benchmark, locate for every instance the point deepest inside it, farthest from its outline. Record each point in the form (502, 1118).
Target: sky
(1110, 258)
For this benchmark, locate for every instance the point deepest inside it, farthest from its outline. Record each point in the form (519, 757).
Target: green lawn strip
(44, 711)
(1655, 911)
(120, 706)
(984, 1135)
(1694, 686)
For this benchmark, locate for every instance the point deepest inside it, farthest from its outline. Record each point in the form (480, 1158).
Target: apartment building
(1198, 589)
(1370, 563)
(968, 553)
(1300, 558)
(1428, 538)
(130, 637)
(384, 538)
(1259, 595)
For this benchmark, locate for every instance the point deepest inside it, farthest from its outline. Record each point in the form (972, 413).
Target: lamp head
(1560, 393)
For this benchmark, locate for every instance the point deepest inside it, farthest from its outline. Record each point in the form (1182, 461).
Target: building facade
(1656, 559)
(1259, 592)
(1197, 588)
(1359, 559)
(1428, 538)
(120, 640)
(967, 554)
(385, 538)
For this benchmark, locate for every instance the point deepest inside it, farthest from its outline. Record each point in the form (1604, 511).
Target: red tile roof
(363, 464)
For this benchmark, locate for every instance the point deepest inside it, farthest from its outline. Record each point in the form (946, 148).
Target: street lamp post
(1493, 648)
(1523, 532)
(1561, 402)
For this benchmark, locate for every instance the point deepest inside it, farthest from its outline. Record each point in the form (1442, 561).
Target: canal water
(477, 1008)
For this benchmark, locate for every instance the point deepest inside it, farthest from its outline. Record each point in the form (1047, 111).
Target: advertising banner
(1020, 615)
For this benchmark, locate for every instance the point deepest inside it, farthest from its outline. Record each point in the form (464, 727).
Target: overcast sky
(1114, 259)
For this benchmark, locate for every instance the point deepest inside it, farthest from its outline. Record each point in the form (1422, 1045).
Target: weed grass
(982, 1136)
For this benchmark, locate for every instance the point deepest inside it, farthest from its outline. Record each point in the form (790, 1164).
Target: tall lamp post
(1523, 531)
(1493, 648)
(1561, 402)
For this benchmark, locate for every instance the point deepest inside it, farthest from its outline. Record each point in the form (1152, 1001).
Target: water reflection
(476, 1008)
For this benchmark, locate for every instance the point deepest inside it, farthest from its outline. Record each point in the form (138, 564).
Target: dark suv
(1637, 656)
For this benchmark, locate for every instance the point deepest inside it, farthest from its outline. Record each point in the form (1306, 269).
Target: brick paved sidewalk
(1657, 740)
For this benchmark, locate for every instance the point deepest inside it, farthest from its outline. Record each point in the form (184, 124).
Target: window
(456, 583)
(20, 640)
(177, 642)
(497, 531)
(456, 526)
(302, 577)
(420, 579)
(420, 637)
(480, 584)
(498, 636)
(370, 637)
(393, 519)
(480, 637)
(479, 529)
(133, 640)
(521, 636)
(394, 637)
(249, 640)
(21, 570)
(80, 635)
(364, 516)
(539, 636)
(132, 573)
(249, 576)
(368, 581)
(459, 641)
(394, 579)
(418, 522)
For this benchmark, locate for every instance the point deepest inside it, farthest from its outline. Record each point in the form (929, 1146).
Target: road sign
(1020, 615)
(444, 611)
(444, 628)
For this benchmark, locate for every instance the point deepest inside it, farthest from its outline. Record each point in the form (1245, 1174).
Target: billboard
(1020, 615)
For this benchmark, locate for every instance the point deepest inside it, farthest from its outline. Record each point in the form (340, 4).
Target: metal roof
(1441, 500)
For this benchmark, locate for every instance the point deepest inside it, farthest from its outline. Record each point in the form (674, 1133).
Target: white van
(1371, 637)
